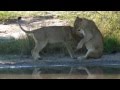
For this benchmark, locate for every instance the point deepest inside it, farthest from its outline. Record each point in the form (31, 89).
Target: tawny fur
(51, 34)
(93, 39)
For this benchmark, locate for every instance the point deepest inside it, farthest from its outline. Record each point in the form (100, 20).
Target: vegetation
(6, 15)
(15, 47)
(107, 21)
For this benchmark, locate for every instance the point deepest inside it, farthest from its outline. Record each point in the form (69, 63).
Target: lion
(92, 38)
(51, 34)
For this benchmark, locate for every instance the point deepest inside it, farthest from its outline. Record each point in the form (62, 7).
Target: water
(58, 76)
(16, 67)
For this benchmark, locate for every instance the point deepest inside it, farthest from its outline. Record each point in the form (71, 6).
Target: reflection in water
(74, 73)
(58, 76)
(61, 72)
(89, 74)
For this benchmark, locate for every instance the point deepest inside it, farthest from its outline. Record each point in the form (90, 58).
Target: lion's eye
(78, 29)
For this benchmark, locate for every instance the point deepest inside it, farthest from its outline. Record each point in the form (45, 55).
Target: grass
(111, 44)
(15, 47)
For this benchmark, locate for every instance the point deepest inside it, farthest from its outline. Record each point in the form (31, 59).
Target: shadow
(40, 18)
(6, 39)
(34, 19)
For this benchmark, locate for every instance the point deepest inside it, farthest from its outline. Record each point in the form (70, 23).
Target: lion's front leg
(80, 45)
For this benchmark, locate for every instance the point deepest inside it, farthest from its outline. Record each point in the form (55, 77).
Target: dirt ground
(10, 28)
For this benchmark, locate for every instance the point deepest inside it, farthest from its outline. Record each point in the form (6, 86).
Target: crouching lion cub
(51, 34)
(93, 39)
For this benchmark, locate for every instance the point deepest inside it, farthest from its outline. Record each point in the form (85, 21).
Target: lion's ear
(19, 18)
(80, 19)
(77, 17)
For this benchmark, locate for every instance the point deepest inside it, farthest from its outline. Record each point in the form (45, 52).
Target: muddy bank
(56, 66)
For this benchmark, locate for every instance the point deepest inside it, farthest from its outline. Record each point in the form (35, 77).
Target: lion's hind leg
(38, 48)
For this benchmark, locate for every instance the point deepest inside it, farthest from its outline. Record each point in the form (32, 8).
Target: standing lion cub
(51, 34)
(93, 39)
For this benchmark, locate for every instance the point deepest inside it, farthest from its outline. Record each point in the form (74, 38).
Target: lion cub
(51, 34)
(93, 39)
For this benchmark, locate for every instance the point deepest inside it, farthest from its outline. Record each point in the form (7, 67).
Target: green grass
(16, 47)
(25, 45)
(111, 44)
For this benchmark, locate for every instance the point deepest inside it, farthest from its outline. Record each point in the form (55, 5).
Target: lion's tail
(19, 18)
